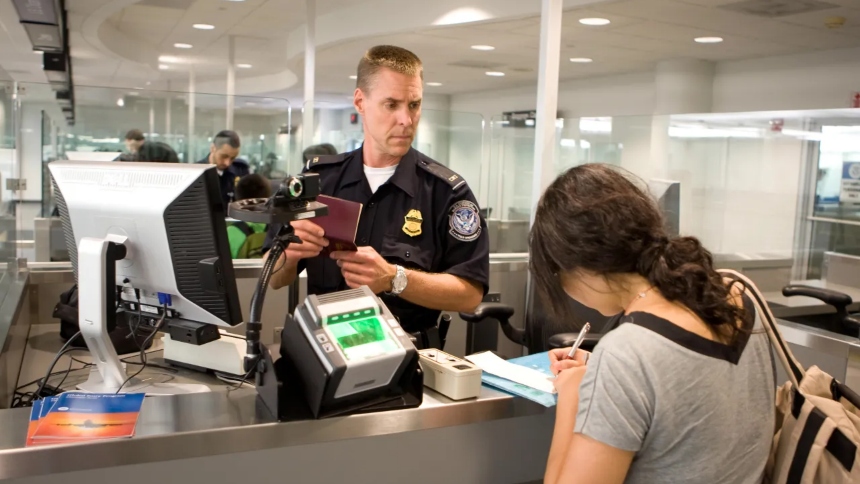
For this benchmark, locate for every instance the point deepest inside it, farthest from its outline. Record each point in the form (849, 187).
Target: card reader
(453, 377)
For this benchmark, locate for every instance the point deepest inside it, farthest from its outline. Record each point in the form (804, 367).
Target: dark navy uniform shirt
(228, 179)
(424, 217)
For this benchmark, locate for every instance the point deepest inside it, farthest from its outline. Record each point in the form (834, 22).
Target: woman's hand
(558, 360)
(567, 382)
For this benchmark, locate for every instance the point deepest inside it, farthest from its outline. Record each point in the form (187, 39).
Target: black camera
(295, 199)
(297, 188)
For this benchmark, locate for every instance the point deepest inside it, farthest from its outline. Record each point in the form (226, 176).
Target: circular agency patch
(465, 221)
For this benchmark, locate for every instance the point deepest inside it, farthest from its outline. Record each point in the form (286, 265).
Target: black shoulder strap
(318, 160)
(244, 227)
(441, 171)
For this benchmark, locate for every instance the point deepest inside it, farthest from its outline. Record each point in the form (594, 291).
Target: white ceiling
(642, 33)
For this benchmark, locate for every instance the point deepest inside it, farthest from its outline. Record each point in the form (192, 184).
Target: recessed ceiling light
(581, 60)
(180, 45)
(244, 66)
(163, 67)
(203, 26)
(483, 47)
(353, 77)
(434, 84)
(120, 102)
(708, 40)
(495, 74)
(594, 21)
(167, 58)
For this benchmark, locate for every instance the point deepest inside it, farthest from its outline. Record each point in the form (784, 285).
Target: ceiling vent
(777, 8)
(175, 4)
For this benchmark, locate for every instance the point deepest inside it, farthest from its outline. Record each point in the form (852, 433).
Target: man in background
(134, 139)
(223, 151)
(139, 149)
(247, 238)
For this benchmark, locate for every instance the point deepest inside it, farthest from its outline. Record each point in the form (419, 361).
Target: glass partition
(9, 169)
(184, 122)
(780, 188)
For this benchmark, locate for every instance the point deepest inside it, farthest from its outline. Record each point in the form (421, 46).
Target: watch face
(399, 282)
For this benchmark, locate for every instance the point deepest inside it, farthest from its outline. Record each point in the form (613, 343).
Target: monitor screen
(172, 219)
(362, 338)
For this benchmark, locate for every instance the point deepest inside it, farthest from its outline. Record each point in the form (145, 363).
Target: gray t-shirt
(693, 410)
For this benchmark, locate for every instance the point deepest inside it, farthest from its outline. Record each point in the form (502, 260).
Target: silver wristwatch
(398, 284)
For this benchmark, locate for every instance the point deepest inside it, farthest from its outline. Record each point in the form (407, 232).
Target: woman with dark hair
(682, 391)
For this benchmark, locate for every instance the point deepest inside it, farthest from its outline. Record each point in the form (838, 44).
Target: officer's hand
(313, 241)
(365, 268)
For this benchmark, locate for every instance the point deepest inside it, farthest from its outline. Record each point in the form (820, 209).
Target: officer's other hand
(313, 241)
(365, 267)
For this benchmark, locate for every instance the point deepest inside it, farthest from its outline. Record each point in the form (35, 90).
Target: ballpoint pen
(579, 339)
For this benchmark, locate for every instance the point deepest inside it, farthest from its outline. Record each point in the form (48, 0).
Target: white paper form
(494, 365)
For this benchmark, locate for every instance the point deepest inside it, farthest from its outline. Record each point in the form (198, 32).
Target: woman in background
(682, 391)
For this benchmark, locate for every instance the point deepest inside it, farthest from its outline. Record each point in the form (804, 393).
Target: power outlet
(493, 297)
(277, 335)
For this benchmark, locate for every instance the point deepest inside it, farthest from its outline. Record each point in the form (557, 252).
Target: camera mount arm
(294, 200)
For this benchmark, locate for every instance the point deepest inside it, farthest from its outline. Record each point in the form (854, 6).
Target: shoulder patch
(317, 160)
(465, 221)
(443, 172)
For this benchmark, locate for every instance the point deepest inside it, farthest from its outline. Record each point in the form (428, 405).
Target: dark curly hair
(593, 217)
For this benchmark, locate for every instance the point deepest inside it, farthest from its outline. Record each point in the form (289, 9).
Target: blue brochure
(537, 361)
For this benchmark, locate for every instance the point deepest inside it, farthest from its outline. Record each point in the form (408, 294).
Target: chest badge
(412, 226)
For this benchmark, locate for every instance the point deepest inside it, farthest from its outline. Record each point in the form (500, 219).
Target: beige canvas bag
(817, 420)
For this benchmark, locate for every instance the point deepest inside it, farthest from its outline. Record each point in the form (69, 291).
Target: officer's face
(223, 157)
(390, 111)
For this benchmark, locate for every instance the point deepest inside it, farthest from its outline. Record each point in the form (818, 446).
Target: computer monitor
(153, 229)
(667, 193)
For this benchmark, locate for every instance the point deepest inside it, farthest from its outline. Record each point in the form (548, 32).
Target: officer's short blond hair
(391, 57)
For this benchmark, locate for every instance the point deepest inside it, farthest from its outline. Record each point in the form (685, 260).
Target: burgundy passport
(340, 225)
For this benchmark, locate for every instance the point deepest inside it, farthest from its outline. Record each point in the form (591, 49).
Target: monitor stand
(96, 306)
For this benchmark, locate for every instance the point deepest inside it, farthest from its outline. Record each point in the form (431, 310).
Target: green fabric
(246, 246)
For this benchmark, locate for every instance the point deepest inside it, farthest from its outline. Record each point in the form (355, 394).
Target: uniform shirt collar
(403, 177)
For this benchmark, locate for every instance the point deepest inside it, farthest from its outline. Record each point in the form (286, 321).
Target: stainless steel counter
(226, 423)
(225, 427)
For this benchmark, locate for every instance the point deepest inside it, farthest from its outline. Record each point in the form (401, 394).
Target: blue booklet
(537, 361)
(87, 416)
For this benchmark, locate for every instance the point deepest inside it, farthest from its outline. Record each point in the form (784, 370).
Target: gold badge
(316, 159)
(236, 180)
(412, 227)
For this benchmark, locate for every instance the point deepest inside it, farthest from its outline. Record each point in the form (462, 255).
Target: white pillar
(310, 61)
(231, 80)
(192, 107)
(151, 115)
(547, 98)
(167, 108)
(683, 86)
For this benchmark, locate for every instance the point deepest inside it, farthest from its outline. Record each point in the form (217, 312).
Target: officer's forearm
(444, 292)
(285, 273)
